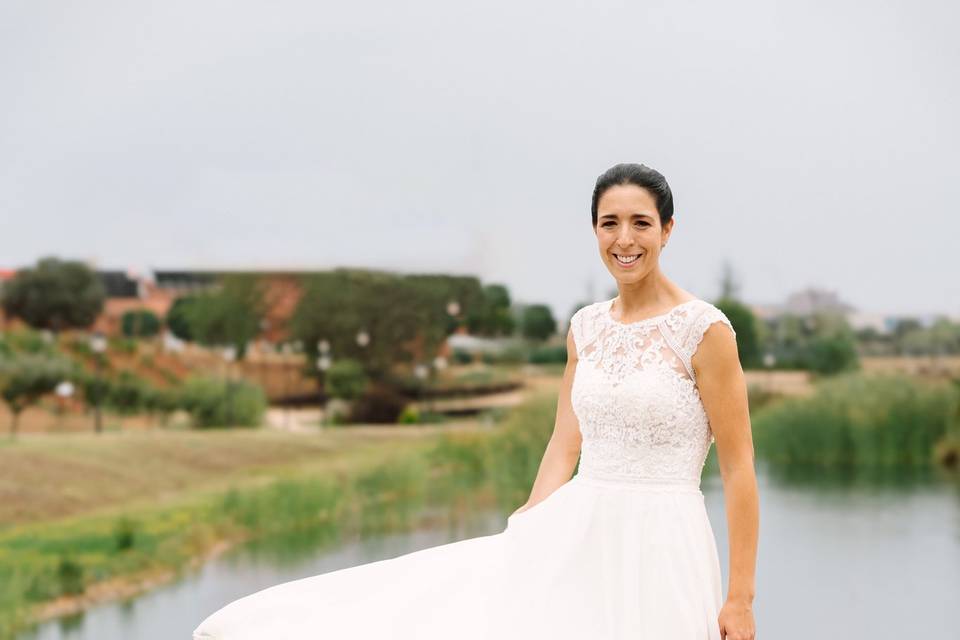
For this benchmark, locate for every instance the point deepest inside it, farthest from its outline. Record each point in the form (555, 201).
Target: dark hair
(642, 176)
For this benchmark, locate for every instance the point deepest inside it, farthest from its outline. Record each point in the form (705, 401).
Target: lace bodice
(635, 394)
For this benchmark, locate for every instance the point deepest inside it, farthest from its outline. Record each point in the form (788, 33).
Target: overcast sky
(808, 143)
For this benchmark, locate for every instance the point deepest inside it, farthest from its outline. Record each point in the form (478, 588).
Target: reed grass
(859, 420)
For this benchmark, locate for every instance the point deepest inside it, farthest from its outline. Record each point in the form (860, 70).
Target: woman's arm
(723, 391)
(563, 449)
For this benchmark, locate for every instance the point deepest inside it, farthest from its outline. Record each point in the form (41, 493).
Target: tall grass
(857, 419)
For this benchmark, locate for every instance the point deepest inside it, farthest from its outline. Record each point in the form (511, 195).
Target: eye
(646, 224)
(607, 224)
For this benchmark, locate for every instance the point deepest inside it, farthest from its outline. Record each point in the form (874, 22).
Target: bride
(623, 548)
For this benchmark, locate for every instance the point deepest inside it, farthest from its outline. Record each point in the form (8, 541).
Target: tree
(140, 323)
(55, 295)
(230, 316)
(745, 326)
(537, 322)
(832, 347)
(729, 285)
(26, 377)
(127, 393)
(161, 401)
(492, 316)
(403, 318)
(178, 318)
(830, 354)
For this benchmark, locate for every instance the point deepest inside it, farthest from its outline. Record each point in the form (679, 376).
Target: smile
(626, 261)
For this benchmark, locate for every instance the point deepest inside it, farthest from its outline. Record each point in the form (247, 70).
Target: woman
(624, 548)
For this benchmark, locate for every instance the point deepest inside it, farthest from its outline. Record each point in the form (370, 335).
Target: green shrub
(213, 402)
(124, 534)
(122, 345)
(127, 393)
(140, 323)
(81, 346)
(30, 341)
(549, 355)
(70, 575)
(162, 401)
(460, 356)
(515, 354)
(346, 379)
(409, 415)
(832, 354)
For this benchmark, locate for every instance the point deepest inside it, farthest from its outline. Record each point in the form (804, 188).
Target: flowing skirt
(602, 559)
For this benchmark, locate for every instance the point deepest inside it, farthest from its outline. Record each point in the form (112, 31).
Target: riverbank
(86, 519)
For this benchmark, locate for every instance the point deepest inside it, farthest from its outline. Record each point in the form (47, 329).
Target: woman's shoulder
(698, 316)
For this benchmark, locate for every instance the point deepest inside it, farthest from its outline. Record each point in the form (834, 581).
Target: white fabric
(624, 549)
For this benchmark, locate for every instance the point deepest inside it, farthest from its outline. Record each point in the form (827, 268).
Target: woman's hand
(736, 621)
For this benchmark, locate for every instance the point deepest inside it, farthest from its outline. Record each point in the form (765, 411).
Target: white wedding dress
(624, 549)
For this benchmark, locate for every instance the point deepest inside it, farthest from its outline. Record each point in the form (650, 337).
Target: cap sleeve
(576, 328)
(700, 321)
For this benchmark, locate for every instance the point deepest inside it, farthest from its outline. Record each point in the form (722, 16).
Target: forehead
(626, 200)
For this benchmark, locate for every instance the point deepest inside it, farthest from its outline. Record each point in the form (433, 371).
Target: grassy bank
(256, 486)
(51, 477)
(79, 511)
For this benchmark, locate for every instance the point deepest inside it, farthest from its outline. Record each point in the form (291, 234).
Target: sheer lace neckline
(608, 306)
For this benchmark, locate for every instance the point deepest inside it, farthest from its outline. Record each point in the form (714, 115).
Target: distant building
(811, 301)
(881, 323)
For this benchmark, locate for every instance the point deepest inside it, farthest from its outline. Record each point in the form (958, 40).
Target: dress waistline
(638, 483)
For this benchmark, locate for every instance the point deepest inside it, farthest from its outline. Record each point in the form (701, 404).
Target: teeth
(626, 259)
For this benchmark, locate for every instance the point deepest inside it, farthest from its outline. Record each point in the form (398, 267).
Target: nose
(624, 238)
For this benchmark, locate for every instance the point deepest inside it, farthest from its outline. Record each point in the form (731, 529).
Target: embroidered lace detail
(635, 395)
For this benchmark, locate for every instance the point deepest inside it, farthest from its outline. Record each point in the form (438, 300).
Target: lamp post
(229, 355)
(422, 372)
(323, 363)
(98, 344)
(439, 364)
(64, 390)
(453, 308)
(768, 361)
(285, 350)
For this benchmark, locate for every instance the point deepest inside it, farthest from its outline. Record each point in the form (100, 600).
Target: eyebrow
(634, 215)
